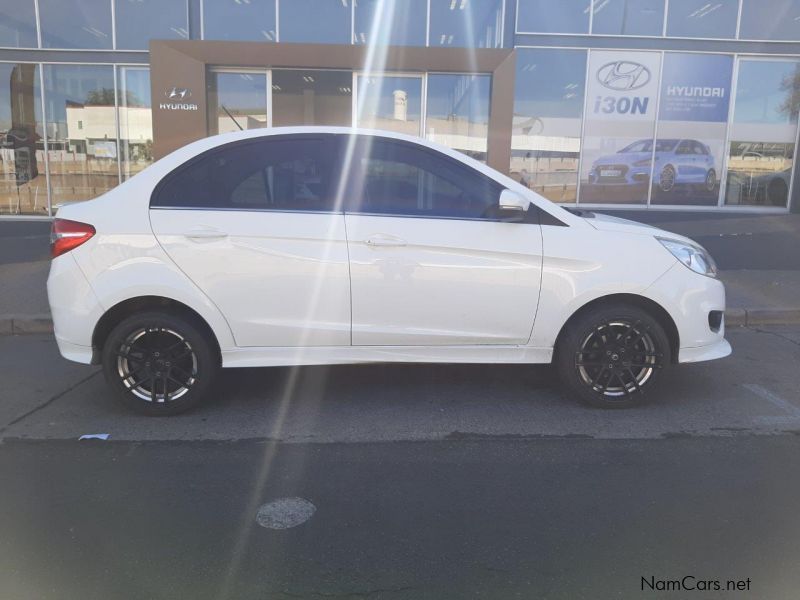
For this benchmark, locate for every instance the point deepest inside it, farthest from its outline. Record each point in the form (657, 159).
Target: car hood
(617, 225)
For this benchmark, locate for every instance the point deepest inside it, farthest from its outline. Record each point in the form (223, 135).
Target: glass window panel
(17, 24)
(391, 23)
(467, 23)
(315, 21)
(236, 101)
(302, 97)
(763, 133)
(548, 108)
(619, 125)
(770, 20)
(458, 112)
(23, 188)
(239, 21)
(135, 120)
(693, 119)
(546, 16)
(628, 17)
(390, 103)
(702, 18)
(139, 21)
(75, 23)
(81, 131)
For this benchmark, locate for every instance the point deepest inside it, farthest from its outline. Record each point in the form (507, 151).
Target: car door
(255, 225)
(431, 262)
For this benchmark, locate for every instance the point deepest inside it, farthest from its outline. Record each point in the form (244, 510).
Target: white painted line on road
(773, 399)
(284, 513)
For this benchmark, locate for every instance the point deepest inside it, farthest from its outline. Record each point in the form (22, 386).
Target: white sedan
(322, 245)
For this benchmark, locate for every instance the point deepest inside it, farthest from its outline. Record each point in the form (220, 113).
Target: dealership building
(659, 104)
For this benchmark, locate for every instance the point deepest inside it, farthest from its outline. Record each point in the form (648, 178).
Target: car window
(282, 174)
(699, 148)
(684, 148)
(397, 178)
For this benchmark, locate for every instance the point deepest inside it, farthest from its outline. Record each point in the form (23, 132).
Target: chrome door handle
(383, 240)
(205, 234)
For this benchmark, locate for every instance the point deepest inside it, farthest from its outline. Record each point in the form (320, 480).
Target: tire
(581, 355)
(159, 363)
(711, 181)
(666, 182)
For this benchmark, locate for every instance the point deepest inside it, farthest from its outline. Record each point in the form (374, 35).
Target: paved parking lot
(754, 391)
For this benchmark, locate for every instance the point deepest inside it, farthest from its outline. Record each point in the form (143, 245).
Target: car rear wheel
(608, 357)
(159, 363)
(667, 179)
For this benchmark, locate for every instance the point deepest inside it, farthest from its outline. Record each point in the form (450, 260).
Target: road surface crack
(775, 333)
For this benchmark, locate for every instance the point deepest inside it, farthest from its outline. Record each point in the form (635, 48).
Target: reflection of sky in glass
(391, 22)
(137, 86)
(759, 95)
(75, 23)
(628, 17)
(549, 83)
(701, 18)
(252, 20)
(463, 96)
(6, 70)
(17, 24)
(376, 96)
(315, 21)
(75, 84)
(470, 23)
(547, 16)
(770, 20)
(139, 22)
(243, 93)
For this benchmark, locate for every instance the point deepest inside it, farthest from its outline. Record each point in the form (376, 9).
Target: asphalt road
(436, 482)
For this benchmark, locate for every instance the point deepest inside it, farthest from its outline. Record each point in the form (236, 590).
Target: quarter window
(399, 179)
(261, 175)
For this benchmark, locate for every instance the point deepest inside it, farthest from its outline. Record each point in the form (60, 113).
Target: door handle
(205, 234)
(383, 240)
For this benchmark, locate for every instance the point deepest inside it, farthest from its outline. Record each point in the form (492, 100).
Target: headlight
(694, 257)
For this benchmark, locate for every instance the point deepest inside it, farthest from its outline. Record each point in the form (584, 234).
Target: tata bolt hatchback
(308, 246)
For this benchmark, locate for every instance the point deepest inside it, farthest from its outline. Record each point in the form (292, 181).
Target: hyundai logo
(623, 75)
(179, 93)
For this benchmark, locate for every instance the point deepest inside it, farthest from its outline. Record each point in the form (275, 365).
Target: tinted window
(628, 17)
(402, 179)
(289, 174)
(546, 16)
(770, 20)
(702, 19)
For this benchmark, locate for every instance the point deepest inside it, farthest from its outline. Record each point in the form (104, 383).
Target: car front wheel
(159, 363)
(667, 179)
(608, 357)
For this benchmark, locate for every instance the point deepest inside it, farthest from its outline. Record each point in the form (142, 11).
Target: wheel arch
(653, 308)
(131, 306)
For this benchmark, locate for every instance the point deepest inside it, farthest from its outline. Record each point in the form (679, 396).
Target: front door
(254, 224)
(430, 262)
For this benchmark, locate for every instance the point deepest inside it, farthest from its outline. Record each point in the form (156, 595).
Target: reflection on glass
(702, 18)
(81, 131)
(390, 103)
(546, 134)
(466, 23)
(763, 133)
(301, 97)
(23, 188)
(693, 118)
(458, 112)
(236, 101)
(75, 23)
(546, 16)
(139, 21)
(315, 21)
(135, 120)
(628, 17)
(239, 21)
(770, 20)
(390, 22)
(17, 24)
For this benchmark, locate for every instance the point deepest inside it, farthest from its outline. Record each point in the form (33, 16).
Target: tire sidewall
(205, 355)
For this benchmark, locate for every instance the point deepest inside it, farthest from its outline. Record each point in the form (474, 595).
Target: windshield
(647, 146)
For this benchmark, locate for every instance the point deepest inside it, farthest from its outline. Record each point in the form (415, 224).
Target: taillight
(66, 235)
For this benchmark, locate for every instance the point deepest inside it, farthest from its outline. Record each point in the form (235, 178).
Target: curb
(734, 317)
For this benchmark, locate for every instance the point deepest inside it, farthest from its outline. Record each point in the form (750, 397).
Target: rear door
(255, 225)
(431, 262)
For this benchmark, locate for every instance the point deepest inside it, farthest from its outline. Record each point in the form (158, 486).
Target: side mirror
(512, 206)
